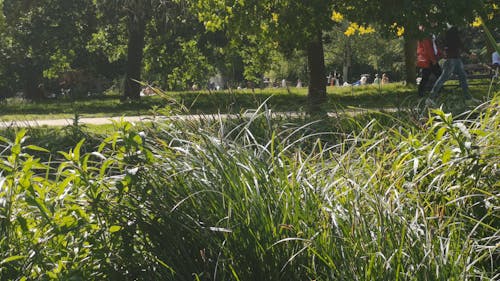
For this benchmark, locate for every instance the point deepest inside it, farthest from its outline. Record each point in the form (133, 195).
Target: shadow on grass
(368, 97)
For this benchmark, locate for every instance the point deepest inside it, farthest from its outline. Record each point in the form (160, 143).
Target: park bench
(479, 71)
(477, 74)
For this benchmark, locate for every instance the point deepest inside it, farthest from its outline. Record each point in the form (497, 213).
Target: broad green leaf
(440, 133)
(76, 151)
(37, 148)
(11, 259)
(16, 149)
(62, 185)
(137, 139)
(446, 156)
(115, 228)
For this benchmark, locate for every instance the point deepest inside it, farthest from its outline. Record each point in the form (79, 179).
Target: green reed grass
(352, 198)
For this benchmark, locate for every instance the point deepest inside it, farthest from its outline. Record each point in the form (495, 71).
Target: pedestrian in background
(385, 79)
(453, 46)
(428, 55)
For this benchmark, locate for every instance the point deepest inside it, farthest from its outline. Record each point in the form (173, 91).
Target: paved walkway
(109, 120)
(69, 121)
(136, 119)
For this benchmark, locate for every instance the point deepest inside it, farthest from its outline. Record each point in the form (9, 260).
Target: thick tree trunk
(137, 32)
(317, 74)
(410, 47)
(33, 89)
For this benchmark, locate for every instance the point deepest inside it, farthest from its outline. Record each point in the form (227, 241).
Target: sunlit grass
(394, 95)
(375, 197)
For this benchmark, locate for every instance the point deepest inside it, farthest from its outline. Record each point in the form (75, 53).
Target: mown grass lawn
(394, 95)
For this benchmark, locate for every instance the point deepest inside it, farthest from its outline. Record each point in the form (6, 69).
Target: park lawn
(371, 97)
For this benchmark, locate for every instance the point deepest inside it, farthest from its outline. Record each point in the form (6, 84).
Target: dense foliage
(258, 199)
(81, 48)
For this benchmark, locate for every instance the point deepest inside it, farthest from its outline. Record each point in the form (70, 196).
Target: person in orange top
(428, 56)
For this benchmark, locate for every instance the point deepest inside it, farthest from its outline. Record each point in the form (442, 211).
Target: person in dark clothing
(428, 56)
(453, 46)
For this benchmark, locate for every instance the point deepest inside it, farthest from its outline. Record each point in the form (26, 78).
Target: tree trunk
(317, 75)
(136, 29)
(347, 60)
(33, 90)
(410, 47)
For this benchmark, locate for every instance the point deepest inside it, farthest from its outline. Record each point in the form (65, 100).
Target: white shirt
(495, 58)
(434, 46)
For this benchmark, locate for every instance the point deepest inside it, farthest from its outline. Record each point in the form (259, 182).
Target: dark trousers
(426, 73)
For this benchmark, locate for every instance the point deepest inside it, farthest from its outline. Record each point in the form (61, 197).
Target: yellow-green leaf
(11, 259)
(36, 148)
(115, 228)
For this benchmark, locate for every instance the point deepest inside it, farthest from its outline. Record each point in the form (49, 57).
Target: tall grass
(259, 199)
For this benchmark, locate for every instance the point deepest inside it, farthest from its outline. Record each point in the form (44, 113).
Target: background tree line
(88, 46)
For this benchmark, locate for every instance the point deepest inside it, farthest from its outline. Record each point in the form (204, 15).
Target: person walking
(453, 46)
(428, 56)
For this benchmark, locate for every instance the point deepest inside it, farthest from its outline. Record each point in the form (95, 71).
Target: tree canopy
(43, 39)
(176, 43)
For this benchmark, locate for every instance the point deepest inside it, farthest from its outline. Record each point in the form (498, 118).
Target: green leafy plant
(252, 197)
